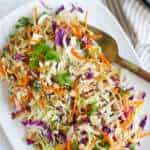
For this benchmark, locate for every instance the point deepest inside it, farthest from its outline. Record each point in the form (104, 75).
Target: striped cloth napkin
(134, 17)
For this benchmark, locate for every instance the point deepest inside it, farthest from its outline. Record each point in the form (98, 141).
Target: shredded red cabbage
(39, 123)
(49, 135)
(73, 8)
(61, 8)
(143, 122)
(106, 129)
(80, 9)
(44, 5)
(68, 40)
(54, 26)
(128, 145)
(143, 95)
(30, 142)
(130, 88)
(84, 140)
(86, 120)
(34, 122)
(131, 127)
(76, 8)
(131, 97)
(89, 75)
(62, 136)
(19, 112)
(126, 113)
(72, 99)
(59, 35)
(20, 57)
(85, 40)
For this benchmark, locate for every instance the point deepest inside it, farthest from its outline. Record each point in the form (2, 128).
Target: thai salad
(62, 88)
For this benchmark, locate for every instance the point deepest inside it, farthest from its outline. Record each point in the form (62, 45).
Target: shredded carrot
(131, 117)
(74, 110)
(24, 81)
(42, 69)
(36, 28)
(29, 32)
(76, 89)
(68, 145)
(34, 42)
(131, 140)
(106, 138)
(124, 125)
(42, 104)
(136, 103)
(28, 50)
(104, 59)
(92, 144)
(52, 89)
(115, 90)
(98, 78)
(144, 134)
(126, 104)
(2, 68)
(30, 94)
(77, 55)
(61, 91)
(128, 121)
(1, 63)
(12, 99)
(19, 113)
(87, 46)
(77, 31)
(26, 99)
(60, 147)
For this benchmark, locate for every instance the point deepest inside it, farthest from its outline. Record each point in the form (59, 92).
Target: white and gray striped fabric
(134, 17)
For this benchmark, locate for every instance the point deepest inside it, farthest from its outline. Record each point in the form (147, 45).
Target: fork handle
(133, 68)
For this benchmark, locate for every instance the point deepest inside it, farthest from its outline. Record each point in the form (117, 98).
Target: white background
(6, 6)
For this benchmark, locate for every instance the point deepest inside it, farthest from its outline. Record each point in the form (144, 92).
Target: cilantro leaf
(63, 79)
(36, 86)
(41, 48)
(123, 92)
(95, 148)
(46, 51)
(52, 55)
(100, 146)
(4, 53)
(75, 145)
(132, 147)
(33, 62)
(22, 22)
(93, 110)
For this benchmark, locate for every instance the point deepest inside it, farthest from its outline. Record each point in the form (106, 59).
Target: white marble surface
(4, 144)
(6, 6)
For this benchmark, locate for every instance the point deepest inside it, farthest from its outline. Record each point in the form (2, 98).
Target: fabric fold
(134, 17)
